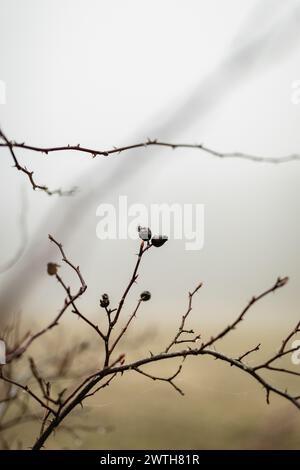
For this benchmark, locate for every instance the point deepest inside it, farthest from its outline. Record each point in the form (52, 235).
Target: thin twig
(124, 329)
(181, 328)
(278, 284)
(27, 390)
(29, 173)
(289, 336)
(170, 380)
(150, 143)
(249, 352)
(19, 351)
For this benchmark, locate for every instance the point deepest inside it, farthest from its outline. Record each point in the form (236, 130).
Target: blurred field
(222, 407)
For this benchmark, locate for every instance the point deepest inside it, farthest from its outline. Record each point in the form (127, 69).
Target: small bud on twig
(52, 268)
(104, 301)
(144, 233)
(145, 296)
(159, 240)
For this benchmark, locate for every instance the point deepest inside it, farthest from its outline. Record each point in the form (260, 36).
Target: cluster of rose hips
(145, 234)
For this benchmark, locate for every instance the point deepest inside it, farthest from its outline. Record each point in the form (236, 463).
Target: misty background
(114, 73)
(107, 74)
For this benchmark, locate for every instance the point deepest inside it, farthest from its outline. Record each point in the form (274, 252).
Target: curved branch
(149, 143)
(29, 173)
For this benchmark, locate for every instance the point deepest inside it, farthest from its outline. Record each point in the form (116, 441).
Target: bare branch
(102, 378)
(181, 329)
(150, 143)
(113, 321)
(289, 336)
(28, 390)
(280, 355)
(170, 380)
(133, 279)
(124, 329)
(249, 352)
(278, 284)
(106, 384)
(21, 348)
(29, 173)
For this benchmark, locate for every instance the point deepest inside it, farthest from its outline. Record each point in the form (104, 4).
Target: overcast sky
(111, 73)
